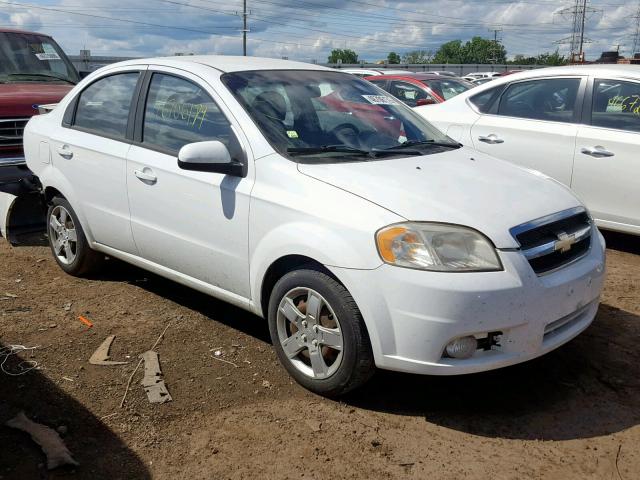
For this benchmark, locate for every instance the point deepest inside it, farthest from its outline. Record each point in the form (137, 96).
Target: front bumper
(411, 315)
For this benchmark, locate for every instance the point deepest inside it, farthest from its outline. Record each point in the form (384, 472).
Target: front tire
(68, 242)
(319, 334)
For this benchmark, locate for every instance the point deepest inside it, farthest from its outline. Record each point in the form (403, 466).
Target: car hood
(18, 99)
(462, 187)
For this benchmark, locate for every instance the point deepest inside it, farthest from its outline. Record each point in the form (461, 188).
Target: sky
(308, 30)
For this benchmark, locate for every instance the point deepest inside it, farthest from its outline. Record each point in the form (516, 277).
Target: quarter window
(485, 100)
(179, 112)
(103, 107)
(551, 99)
(616, 104)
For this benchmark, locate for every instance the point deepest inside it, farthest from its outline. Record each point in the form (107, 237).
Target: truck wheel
(319, 334)
(68, 242)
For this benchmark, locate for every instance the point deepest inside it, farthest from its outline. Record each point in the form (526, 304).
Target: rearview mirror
(425, 101)
(212, 156)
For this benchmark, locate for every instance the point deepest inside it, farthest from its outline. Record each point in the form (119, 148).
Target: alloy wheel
(63, 235)
(309, 332)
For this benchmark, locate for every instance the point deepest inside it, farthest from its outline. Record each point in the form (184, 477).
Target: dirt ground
(573, 414)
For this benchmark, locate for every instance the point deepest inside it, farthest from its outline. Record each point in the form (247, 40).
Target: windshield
(448, 88)
(318, 116)
(26, 57)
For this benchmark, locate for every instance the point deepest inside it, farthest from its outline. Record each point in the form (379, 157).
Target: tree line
(477, 50)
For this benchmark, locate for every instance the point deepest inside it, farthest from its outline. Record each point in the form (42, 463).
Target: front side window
(326, 117)
(26, 57)
(551, 99)
(408, 93)
(103, 107)
(179, 112)
(616, 104)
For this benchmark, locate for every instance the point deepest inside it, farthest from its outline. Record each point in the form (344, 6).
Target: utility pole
(636, 38)
(496, 41)
(578, 14)
(244, 27)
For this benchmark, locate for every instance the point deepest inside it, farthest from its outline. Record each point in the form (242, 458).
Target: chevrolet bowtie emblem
(564, 242)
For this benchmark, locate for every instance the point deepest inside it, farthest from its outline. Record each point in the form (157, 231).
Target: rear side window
(103, 107)
(179, 112)
(616, 104)
(484, 101)
(551, 99)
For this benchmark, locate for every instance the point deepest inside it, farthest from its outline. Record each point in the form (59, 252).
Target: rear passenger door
(534, 124)
(607, 165)
(89, 150)
(191, 222)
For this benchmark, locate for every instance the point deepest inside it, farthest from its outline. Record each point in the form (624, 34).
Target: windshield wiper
(351, 150)
(41, 75)
(327, 149)
(425, 143)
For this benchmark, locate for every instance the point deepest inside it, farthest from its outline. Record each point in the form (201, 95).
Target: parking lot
(572, 414)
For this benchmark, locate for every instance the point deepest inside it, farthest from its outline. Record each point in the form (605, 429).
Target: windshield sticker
(292, 134)
(47, 56)
(380, 100)
(191, 113)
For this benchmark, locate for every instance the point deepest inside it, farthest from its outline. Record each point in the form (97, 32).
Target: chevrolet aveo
(366, 237)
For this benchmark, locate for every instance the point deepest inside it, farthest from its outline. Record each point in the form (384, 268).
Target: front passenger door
(607, 166)
(194, 223)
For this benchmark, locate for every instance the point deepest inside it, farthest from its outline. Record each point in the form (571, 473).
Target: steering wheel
(346, 133)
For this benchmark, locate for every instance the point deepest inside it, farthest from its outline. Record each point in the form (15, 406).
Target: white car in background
(312, 198)
(579, 125)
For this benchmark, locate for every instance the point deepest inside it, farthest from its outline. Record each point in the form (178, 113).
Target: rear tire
(68, 242)
(318, 333)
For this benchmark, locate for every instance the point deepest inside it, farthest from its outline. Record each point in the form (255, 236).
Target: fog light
(463, 347)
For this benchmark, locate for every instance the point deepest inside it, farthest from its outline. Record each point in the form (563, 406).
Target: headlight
(437, 247)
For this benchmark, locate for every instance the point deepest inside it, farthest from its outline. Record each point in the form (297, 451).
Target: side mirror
(210, 156)
(425, 101)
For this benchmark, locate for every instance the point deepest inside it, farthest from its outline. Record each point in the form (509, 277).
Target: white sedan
(579, 125)
(310, 197)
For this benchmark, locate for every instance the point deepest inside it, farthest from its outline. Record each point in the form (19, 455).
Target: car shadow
(218, 310)
(587, 388)
(622, 242)
(98, 449)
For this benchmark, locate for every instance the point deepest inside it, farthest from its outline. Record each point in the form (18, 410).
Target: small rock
(376, 443)
(217, 353)
(18, 280)
(266, 384)
(314, 425)
(62, 429)
(67, 306)
(214, 451)
(53, 325)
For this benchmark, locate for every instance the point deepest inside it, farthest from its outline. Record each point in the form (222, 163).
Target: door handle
(490, 139)
(597, 151)
(146, 176)
(65, 152)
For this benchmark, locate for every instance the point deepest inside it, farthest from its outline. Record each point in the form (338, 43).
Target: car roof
(26, 32)
(227, 63)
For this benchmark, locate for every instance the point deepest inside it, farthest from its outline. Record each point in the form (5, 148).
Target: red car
(34, 71)
(417, 89)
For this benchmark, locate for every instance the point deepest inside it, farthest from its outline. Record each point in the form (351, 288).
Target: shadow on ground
(622, 242)
(217, 310)
(102, 455)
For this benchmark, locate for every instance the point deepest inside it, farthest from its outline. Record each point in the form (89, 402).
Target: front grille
(552, 242)
(11, 131)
